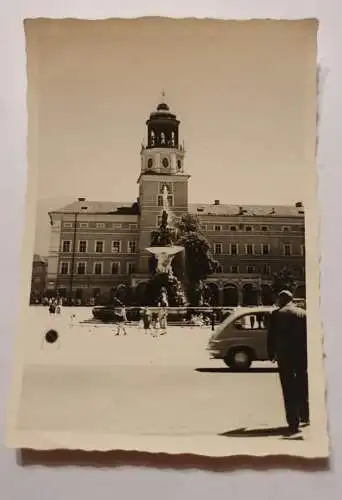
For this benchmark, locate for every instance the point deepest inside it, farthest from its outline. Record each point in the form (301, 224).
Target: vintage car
(242, 337)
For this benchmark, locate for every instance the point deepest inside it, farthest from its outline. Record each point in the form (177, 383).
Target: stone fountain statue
(164, 251)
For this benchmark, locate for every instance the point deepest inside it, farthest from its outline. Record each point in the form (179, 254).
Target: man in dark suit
(287, 345)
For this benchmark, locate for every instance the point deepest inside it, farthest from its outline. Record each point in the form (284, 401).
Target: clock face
(179, 165)
(165, 162)
(150, 163)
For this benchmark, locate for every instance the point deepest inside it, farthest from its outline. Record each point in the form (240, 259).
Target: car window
(256, 321)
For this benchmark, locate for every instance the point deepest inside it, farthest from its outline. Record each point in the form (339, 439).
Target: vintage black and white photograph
(170, 256)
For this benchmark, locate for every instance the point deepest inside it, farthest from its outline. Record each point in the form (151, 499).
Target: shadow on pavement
(281, 432)
(230, 370)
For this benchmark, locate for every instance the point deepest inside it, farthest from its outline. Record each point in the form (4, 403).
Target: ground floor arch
(230, 295)
(250, 295)
(267, 296)
(213, 293)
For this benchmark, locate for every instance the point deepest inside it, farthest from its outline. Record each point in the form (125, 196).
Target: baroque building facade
(95, 246)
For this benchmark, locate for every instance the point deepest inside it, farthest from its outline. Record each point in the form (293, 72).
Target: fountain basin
(171, 250)
(164, 256)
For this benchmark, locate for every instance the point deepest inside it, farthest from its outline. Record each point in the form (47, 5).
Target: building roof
(247, 210)
(104, 207)
(216, 209)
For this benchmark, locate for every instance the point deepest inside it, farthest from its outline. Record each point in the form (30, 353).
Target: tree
(283, 280)
(199, 262)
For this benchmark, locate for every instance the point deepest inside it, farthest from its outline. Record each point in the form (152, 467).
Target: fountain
(164, 251)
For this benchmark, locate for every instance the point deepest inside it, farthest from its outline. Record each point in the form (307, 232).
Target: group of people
(55, 305)
(155, 322)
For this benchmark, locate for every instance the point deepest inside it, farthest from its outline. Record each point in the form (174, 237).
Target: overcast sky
(244, 92)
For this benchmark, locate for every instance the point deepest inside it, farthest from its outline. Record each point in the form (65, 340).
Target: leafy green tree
(198, 260)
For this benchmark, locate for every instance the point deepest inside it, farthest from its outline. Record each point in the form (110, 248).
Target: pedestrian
(252, 319)
(260, 320)
(122, 321)
(163, 320)
(213, 319)
(147, 319)
(52, 306)
(287, 345)
(59, 306)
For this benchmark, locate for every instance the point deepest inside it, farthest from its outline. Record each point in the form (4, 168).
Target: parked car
(242, 337)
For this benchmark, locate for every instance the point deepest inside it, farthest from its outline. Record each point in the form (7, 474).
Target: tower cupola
(162, 127)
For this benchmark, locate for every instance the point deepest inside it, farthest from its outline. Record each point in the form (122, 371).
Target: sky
(244, 92)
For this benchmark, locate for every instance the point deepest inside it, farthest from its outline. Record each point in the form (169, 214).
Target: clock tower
(162, 164)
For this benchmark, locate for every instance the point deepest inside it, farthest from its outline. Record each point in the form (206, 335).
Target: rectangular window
(250, 269)
(82, 246)
(265, 249)
(133, 226)
(99, 246)
(204, 227)
(83, 225)
(115, 269)
(287, 250)
(234, 249)
(267, 269)
(66, 246)
(116, 225)
(248, 229)
(98, 268)
(132, 247)
(130, 267)
(67, 225)
(249, 249)
(100, 225)
(234, 269)
(264, 228)
(233, 228)
(81, 267)
(217, 228)
(64, 268)
(218, 248)
(116, 246)
(286, 229)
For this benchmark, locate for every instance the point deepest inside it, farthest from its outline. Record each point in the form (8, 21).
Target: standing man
(213, 319)
(122, 321)
(287, 345)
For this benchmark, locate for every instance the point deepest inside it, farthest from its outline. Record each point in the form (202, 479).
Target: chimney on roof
(299, 204)
(216, 202)
(81, 199)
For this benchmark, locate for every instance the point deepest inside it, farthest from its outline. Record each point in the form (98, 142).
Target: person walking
(52, 306)
(147, 319)
(287, 345)
(213, 319)
(163, 320)
(122, 321)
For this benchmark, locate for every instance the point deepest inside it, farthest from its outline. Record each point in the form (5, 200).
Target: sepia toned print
(184, 319)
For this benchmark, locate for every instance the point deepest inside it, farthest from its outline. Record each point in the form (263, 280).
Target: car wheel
(239, 359)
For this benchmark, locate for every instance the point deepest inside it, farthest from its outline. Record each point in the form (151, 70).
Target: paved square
(94, 381)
